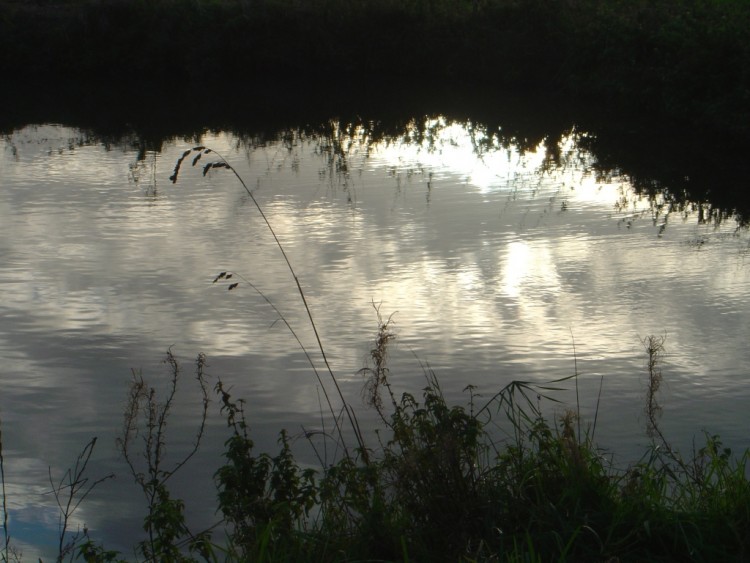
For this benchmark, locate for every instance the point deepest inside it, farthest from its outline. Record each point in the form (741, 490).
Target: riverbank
(688, 60)
(439, 485)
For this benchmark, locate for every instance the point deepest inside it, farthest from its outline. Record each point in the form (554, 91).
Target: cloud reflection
(494, 259)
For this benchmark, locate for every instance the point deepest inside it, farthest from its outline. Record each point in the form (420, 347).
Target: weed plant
(443, 485)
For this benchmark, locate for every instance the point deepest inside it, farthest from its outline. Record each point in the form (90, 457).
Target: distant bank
(685, 59)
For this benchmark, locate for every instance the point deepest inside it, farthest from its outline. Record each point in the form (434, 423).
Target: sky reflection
(497, 264)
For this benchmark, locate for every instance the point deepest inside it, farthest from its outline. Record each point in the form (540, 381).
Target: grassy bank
(688, 59)
(490, 480)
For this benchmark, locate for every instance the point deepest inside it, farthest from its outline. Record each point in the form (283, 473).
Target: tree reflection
(685, 172)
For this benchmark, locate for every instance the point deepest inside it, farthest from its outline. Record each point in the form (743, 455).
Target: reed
(197, 153)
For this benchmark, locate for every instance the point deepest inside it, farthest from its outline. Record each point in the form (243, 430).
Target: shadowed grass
(440, 486)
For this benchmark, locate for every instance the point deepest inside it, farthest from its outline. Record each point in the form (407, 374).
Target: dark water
(502, 254)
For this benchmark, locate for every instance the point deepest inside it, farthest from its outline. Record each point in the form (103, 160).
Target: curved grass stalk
(282, 318)
(198, 153)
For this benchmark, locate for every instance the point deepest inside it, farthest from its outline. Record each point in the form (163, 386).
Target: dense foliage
(688, 59)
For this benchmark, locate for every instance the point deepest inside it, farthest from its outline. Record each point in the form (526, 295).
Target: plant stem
(6, 542)
(349, 413)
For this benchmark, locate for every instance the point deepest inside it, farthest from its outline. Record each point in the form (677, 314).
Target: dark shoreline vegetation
(494, 479)
(660, 89)
(688, 60)
(678, 168)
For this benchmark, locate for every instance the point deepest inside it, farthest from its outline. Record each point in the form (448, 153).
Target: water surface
(497, 260)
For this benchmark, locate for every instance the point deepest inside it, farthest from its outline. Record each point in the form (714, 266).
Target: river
(500, 257)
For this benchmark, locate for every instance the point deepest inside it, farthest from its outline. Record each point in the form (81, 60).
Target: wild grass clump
(494, 480)
(485, 481)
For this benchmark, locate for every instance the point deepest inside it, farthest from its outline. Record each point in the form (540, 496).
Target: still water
(496, 262)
